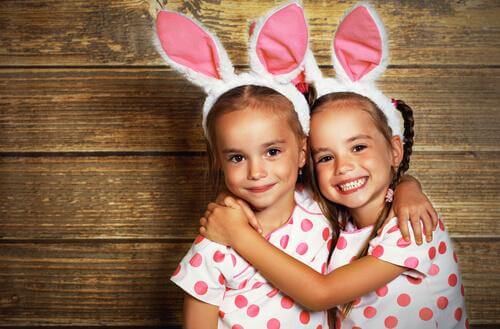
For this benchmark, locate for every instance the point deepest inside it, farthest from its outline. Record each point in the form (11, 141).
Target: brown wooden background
(102, 167)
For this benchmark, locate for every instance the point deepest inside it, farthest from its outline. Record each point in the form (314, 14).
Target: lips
(261, 189)
(351, 185)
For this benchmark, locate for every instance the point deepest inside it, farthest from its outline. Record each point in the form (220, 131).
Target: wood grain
(119, 32)
(131, 109)
(164, 196)
(127, 283)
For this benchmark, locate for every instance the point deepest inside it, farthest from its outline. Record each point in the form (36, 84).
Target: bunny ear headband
(360, 56)
(278, 46)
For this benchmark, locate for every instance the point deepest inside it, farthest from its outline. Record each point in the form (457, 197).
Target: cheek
(232, 175)
(323, 176)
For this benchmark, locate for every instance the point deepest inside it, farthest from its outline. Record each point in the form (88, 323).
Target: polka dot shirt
(429, 294)
(217, 275)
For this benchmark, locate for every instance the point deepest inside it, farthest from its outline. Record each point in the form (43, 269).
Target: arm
(411, 204)
(198, 314)
(229, 225)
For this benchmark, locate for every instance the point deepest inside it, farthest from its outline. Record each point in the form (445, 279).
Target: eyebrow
(349, 140)
(265, 145)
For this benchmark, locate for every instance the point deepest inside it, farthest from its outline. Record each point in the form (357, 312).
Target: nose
(256, 169)
(343, 165)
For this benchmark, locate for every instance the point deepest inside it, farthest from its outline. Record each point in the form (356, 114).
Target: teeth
(352, 185)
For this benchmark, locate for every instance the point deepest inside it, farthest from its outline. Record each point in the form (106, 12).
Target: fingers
(231, 202)
(417, 228)
(202, 229)
(427, 222)
(252, 219)
(403, 218)
(211, 206)
(220, 198)
(434, 216)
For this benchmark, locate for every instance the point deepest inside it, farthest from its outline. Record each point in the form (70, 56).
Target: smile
(352, 186)
(261, 189)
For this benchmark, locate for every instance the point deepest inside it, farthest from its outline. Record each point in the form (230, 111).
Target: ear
(396, 151)
(189, 48)
(360, 49)
(302, 152)
(279, 43)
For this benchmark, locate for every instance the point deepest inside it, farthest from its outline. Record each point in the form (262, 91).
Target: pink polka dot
(404, 300)
(432, 252)
(462, 290)
(253, 311)
(177, 270)
(393, 229)
(341, 243)
(433, 270)
(378, 251)
(222, 279)
(304, 317)
(442, 302)
(381, 292)
(240, 301)
(425, 314)
(413, 280)
(257, 285)
(411, 262)
(302, 248)
(272, 293)
(452, 280)
(233, 258)
(455, 257)
(324, 267)
(391, 322)
(237, 326)
(326, 233)
(369, 312)
(441, 224)
(284, 241)
(195, 261)
(321, 327)
(467, 324)
(198, 239)
(286, 302)
(356, 301)
(329, 244)
(273, 324)
(458, 314)
(221, 314)
(219, 256)
(200, 288)
(306, 225)
(402, 243)
(242, 284)
(442, 247)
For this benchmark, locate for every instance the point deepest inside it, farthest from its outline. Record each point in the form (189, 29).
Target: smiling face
(260, 156)
(352, 157)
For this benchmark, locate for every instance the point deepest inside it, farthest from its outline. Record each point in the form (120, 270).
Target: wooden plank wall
(102, 167)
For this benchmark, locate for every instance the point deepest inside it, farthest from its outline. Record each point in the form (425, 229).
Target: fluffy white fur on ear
(380, 69)
(255, 63)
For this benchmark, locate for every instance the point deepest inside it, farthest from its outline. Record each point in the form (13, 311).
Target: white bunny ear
(360, 46)
(279, 42)
(189, 48)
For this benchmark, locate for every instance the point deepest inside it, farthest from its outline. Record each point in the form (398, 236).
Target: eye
(359, 148)
(235, 158)
(273, 152)
(325, 158)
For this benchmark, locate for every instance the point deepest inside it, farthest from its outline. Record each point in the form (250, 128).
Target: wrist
(242, 236)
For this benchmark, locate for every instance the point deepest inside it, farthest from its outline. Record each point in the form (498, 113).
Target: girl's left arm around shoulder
(411, 204)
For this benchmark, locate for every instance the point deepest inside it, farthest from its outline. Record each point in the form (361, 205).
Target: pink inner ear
(358, 44)
(187, 44)
(282, 42)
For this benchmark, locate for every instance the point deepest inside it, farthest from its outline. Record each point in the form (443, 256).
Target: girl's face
(352, 158)
(260, 157)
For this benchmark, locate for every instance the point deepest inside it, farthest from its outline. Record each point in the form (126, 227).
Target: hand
(224, 198)
(223, 223)
(411, 204)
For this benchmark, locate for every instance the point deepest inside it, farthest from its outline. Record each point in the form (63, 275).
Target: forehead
(251, 125)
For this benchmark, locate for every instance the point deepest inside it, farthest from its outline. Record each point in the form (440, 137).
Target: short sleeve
(204, 270)
(390, 246)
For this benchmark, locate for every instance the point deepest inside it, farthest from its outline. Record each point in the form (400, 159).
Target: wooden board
(164, 196)
(119, 32)
(101, 110)
(100, 283)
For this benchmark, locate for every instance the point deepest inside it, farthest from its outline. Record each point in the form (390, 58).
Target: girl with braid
(358, 152)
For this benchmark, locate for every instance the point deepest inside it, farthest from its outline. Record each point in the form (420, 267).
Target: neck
(369, 213)
(276, 215)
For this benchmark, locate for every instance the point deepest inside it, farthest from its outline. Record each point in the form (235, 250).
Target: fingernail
(407, 239)
(419, 241)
